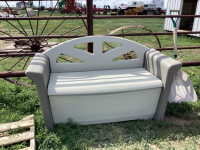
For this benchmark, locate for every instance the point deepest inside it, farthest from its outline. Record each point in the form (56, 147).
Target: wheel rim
(128, 55)
(23, 50)
(142, 29)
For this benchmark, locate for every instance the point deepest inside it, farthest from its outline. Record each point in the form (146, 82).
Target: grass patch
(16, 102)
(179, 130)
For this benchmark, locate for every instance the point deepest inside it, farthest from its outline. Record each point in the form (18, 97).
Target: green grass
(179, 130)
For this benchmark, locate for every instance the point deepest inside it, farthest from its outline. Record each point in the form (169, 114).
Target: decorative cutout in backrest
(109, 46)
(127, 56)
(98, 60)
(82, 46)
(62, 58)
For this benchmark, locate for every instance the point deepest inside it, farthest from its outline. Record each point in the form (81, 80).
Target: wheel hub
(35, 46)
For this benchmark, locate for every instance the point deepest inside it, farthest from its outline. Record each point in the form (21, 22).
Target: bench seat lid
(102, 81)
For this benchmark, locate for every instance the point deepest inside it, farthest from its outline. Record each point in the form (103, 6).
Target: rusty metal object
(44, 18)
(103, 17)
(77, 36)
(127, 55)
(35, 46)
(28, 16)
(38, 16)
(22, 73)
(15, 27)
(35, 42)
(6, 33)
(16, 54)
(17, 20)
(90, 23)
(15, 82)
(171, 48)
(146, 16)
(12, 74)
(191, 63)
(21, 43)
(72, 30)
(139, 34)
(50, 16)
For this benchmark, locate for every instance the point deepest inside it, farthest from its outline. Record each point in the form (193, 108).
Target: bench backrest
(96, 60)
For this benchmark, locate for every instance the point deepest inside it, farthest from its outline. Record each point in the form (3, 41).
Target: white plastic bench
(101, 90)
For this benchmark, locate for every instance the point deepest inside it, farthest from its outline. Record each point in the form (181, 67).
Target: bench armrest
(164, 68)
(39, 72)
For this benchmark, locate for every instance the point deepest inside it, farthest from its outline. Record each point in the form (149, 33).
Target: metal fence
(89, 26)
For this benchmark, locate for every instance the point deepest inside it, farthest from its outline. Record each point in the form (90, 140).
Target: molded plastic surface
(105, 108)
(104, 81)
(98, 60)
(164, 68)
(103, 90)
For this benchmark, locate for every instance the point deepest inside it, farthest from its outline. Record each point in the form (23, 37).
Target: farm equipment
(50, 9)
(134, 11)
(132, 8)
(157, 11)
(10, 11)
(153, 9)
(127, 11)
(114, 12)
(97, 10)
(41, 8)
(67, 6)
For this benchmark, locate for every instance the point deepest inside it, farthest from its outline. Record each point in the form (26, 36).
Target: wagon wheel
(22, 51)
(147, 41)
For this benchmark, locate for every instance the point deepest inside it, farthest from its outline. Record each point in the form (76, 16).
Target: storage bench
(101, 90)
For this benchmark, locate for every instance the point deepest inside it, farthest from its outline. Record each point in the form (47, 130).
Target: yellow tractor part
(134, 11)
(113, 13)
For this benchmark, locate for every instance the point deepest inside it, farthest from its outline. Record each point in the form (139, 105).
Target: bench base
(105, 108)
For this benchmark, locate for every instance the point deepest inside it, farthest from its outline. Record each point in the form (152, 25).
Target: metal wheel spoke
(3, 58)
(66, 59)
(109, 45)
(38, 16)
(150, 43)
(60, 24)
(17, 20)
(137, 26)
(28, 16)
(50, 16)
(15, 27)
(14, 82)
(71, 13)
(139, 35)
(72, 30)
(17, 54)
(24, 66)
(16, 63)
(6, 33)
(57, 27)
(78, 13)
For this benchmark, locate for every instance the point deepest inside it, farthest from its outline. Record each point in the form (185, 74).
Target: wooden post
(90, 23)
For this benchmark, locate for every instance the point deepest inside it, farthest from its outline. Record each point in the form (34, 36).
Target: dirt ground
(4, 44)
(179, 121)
